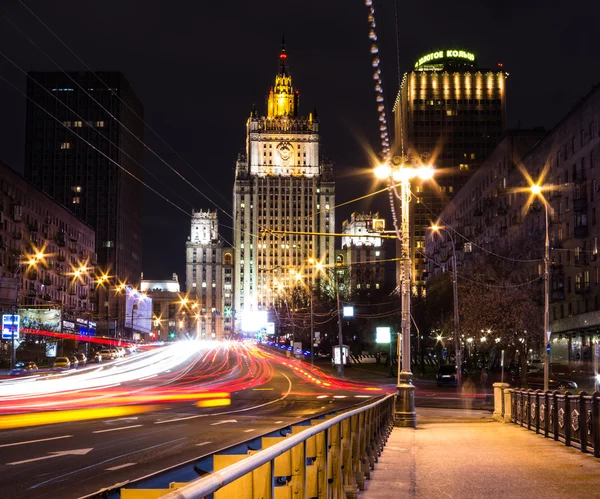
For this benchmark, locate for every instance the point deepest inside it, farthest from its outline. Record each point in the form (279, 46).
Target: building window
(100, 124)
(65, 145)
(76, 200)
(78, 124)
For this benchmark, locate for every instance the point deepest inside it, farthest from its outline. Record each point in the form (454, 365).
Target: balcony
(17, 234)
(72, 249)
(83, 296)
(47, 281)
(581, 260)
(32, 275)
(582, 288)
(580, 204)
(581, 231)
(557, 295)
(60, 239)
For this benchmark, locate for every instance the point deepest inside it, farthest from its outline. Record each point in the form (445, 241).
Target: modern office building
(83, 148)
(35, 228)
(284, 198)
(209, 276)
(490, 215)
(363, 253)
(454, 113)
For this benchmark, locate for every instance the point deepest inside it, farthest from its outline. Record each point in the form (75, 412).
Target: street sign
(444, 353)
(10, 325)
(548, 348)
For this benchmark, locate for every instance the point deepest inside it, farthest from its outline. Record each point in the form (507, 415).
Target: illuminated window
(204, 284)
(76, 188)
(100, 124)
(464, 166)
(65, 145)
(78, 124)
(76, 200)
(377, 253)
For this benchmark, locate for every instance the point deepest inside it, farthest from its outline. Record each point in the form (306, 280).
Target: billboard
(44, 319)
(138, 311)
(79, 326)
(254, 320)
(383, 335)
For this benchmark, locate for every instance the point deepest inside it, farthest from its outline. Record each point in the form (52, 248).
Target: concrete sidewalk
(464, 454)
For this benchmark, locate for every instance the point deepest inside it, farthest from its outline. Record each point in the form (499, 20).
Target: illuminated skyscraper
(83, 147)
(284, 198)
(454, 111)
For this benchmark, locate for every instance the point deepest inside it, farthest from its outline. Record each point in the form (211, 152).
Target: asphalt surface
(76, 458)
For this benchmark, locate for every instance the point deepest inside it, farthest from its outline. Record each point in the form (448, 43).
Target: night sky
(199, 66)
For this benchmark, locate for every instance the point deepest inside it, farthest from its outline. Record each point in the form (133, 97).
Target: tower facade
(455, 112)
(284, 198)
(363, 253)
(208, 277)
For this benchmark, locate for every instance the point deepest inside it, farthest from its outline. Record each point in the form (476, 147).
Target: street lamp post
(31, 263)
(536, 190)
(457, 345)
(405, 414)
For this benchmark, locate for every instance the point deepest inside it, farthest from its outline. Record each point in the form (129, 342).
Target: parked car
(535, 365)
(74, 362)
(446, 375)
(560, 370)
(62, 363)
(108, 353)
(23, 368)
(97, 357)
(81, 358)
(536, 382)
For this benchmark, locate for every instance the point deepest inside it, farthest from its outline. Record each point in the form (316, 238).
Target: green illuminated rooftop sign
(441, 55)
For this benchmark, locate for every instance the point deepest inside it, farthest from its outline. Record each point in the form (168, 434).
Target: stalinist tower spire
(283, 100)
(283, 69)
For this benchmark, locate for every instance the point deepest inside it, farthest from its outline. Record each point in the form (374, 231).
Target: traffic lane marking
(121, 466)
(118, 429)
(36, 441)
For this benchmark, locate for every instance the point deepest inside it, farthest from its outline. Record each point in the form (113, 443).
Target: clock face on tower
(284, 149)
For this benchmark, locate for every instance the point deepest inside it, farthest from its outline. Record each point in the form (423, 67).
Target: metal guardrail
(573, 419)
(332, 458)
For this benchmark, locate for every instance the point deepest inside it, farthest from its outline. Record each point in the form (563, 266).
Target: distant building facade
(168, 318)
(32, 223)
(74, 152)
(363, 252)
(455, 112)
(284, 199)
(209, 275)
(489, 213)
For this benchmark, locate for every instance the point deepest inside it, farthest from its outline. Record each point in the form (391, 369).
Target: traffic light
(172, 335)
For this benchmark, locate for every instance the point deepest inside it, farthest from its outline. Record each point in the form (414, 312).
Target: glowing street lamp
(537, 191)
(457, 345)
(402, 170)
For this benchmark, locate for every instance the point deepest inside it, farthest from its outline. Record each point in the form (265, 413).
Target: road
(191, 405)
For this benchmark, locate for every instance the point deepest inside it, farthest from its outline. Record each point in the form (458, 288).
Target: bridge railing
(331, 458)
(573, 419)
